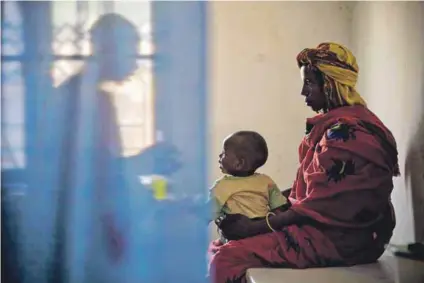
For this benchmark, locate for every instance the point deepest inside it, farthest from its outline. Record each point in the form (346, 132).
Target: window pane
(84, 29)
(11, 36)
(12, 94)
(73, 20)
(134, 106)
(139, 13)
(63, 70)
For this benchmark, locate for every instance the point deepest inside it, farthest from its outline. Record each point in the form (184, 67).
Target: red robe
(347, 161)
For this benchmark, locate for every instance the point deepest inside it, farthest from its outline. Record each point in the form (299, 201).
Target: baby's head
(243, 153)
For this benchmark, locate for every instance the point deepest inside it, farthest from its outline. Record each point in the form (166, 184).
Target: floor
(388, 269)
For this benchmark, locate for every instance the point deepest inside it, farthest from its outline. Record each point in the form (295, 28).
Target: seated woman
(341, 213)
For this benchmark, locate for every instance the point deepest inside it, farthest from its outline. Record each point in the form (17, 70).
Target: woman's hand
(238, 226)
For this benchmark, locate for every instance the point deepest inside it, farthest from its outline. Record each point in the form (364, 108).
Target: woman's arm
(237, 226)
(277, 222)
(281, 208)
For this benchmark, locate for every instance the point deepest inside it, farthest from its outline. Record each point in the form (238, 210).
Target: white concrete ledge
(388, 269)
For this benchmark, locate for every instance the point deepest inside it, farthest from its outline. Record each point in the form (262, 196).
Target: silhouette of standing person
(89, 145)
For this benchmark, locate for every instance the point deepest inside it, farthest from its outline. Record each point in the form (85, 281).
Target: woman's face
(313, 88)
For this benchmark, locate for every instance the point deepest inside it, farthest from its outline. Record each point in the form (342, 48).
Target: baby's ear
(240, 164)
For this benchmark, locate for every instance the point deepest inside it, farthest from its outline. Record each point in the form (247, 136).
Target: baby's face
(227, 158)
(225, 161)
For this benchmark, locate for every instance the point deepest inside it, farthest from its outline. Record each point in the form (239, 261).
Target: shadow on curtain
(101, 165)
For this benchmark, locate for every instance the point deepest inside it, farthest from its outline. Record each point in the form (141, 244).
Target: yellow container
(158, 184)
(160, 188)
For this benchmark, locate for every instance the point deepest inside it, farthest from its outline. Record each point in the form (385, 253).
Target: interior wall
(254, 80)
(388, 41)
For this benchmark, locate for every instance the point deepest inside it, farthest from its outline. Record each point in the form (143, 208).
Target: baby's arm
(214, 206)
(215, 202)
(277, 201)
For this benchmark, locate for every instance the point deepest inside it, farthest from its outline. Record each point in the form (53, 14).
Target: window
(71, 24)
(12, 97)
(72, 46)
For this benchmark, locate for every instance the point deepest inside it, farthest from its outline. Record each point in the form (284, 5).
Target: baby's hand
(214, 246)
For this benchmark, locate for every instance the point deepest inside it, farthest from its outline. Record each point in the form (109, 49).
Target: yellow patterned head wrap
(339, 69)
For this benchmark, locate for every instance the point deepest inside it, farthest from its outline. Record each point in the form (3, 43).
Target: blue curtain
(103, 142)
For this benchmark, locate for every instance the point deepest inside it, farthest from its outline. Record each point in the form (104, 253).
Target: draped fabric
(347, 163)
(343, 185)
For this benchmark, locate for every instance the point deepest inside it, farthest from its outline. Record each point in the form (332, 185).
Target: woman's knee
(230, 253)
(231, 262)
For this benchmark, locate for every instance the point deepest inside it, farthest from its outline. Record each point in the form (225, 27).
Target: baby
(242, 190)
